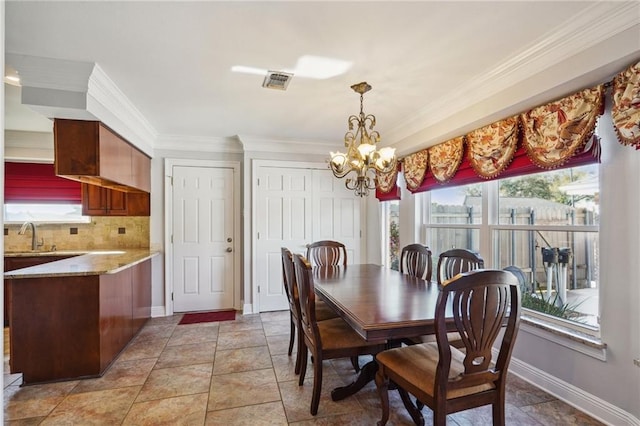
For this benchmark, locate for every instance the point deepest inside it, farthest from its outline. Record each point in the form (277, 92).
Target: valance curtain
(38, 183)
(387, 188)
(558, 134)
(625, 111)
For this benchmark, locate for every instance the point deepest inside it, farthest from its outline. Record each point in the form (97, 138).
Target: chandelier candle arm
(362, 157)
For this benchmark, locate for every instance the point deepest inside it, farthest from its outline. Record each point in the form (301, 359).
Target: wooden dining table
(380, 304)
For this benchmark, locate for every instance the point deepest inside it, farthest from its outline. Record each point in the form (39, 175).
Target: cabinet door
(94, 200)
(141, 294)
(140, 170)
(116, 202)
(115, 157)
(138, 204)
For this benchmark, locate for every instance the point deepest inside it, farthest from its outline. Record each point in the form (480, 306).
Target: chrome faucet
(34, 239)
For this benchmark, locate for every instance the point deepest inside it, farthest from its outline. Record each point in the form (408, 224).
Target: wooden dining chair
(415, 260)
(327, 253)
(323, 312)
(456, 261)
(328, 339)
(442, 376)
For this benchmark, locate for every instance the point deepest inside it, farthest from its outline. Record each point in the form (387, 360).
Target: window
(34, 193)
(545, 224)
(391, 234)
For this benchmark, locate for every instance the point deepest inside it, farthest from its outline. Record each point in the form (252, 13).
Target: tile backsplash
(101, 233)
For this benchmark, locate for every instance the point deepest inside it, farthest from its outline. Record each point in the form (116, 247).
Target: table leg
(367, 374)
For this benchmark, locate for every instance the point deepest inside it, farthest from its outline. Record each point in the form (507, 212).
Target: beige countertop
(96, 262)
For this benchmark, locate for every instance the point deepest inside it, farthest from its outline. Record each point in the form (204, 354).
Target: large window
(545, 224)
(391, 234)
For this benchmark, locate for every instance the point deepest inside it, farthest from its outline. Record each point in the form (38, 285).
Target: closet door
(294, 207)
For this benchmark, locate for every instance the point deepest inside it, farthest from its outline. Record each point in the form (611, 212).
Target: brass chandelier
(362, 157)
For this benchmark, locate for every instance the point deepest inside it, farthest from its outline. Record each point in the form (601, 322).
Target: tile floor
(233, 373)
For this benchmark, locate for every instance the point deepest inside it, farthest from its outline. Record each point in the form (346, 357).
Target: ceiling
(438, 68)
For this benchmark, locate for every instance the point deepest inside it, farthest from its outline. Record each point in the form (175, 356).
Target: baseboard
(576, 397)
(247, 308)
(157, 311)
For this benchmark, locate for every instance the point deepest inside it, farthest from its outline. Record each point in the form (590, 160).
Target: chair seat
(417, 364)
(324, 312)
(337, 334)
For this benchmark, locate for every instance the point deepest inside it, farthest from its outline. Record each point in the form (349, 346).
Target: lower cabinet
(19, 262)
(74, 327)
(100, 201)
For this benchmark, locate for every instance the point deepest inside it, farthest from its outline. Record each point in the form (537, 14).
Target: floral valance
(625, 111)
(385, 182)
(552, 133)
(415, 168)
(445, 158)
(491, 148)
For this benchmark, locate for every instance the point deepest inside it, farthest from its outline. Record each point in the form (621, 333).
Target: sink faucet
(34, 239)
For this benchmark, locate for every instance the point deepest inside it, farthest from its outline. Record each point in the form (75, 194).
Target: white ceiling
(438, 68)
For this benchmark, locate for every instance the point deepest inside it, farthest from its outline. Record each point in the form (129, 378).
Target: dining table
(380, 304)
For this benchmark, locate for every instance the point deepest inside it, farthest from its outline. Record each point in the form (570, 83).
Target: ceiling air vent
(277, 80)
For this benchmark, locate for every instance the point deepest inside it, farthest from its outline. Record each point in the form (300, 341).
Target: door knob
(229, 249)
(229, 239)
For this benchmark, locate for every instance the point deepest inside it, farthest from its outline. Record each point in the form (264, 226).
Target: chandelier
(362, 157)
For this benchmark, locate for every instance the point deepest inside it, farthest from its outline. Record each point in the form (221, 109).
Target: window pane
(457, 205)
(560, 271)
(18, 212)
(560, 197)
(443, 239)
(394, 234)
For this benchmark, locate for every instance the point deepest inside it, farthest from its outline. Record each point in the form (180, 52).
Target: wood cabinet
(90, 152)
(100, 201)
(71, 327)
(19, 262)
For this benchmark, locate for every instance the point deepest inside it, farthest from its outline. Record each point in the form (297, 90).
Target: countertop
(97, 262)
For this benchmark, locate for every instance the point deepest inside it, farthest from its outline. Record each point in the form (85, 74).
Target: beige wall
(100, 233)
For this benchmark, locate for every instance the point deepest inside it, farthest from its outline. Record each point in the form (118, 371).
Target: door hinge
(171, 180)
(361, 233)
(172, 239)
(258, 289)
(172, 296)
(258, 182)
(258, 235)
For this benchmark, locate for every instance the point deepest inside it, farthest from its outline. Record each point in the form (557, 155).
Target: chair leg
(355, 363)
(317, 385)
(382, 383)
(303, 364)
(498, 408)
(292, 335)
(415, 414)
(301, 350)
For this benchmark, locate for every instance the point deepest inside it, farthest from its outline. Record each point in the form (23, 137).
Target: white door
(283, 219)
(294, 207)
(202, 229)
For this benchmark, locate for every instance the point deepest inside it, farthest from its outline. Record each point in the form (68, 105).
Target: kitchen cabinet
(90, 152)
(100, 201)
(18, 262)
(70, 327)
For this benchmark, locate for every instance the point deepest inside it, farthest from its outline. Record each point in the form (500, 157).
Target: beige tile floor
(233, 373)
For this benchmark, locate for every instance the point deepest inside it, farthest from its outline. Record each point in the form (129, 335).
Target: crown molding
(258, 144)
(199, 143)
(591, 26)
(107, 102)
(49, 73)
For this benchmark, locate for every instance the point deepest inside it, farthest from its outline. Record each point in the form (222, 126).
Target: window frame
(488, 228)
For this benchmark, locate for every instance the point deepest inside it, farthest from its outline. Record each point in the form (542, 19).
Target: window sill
(570, 338)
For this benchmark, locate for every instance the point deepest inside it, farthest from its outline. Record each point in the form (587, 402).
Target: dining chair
(329, 339)
(415, 260)
(323, 312)
(442, 376)
(327, 253)
(330, 253)
(451, 263)
(456, 261)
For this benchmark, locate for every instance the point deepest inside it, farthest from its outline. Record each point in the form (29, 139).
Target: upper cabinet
(90, 152)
